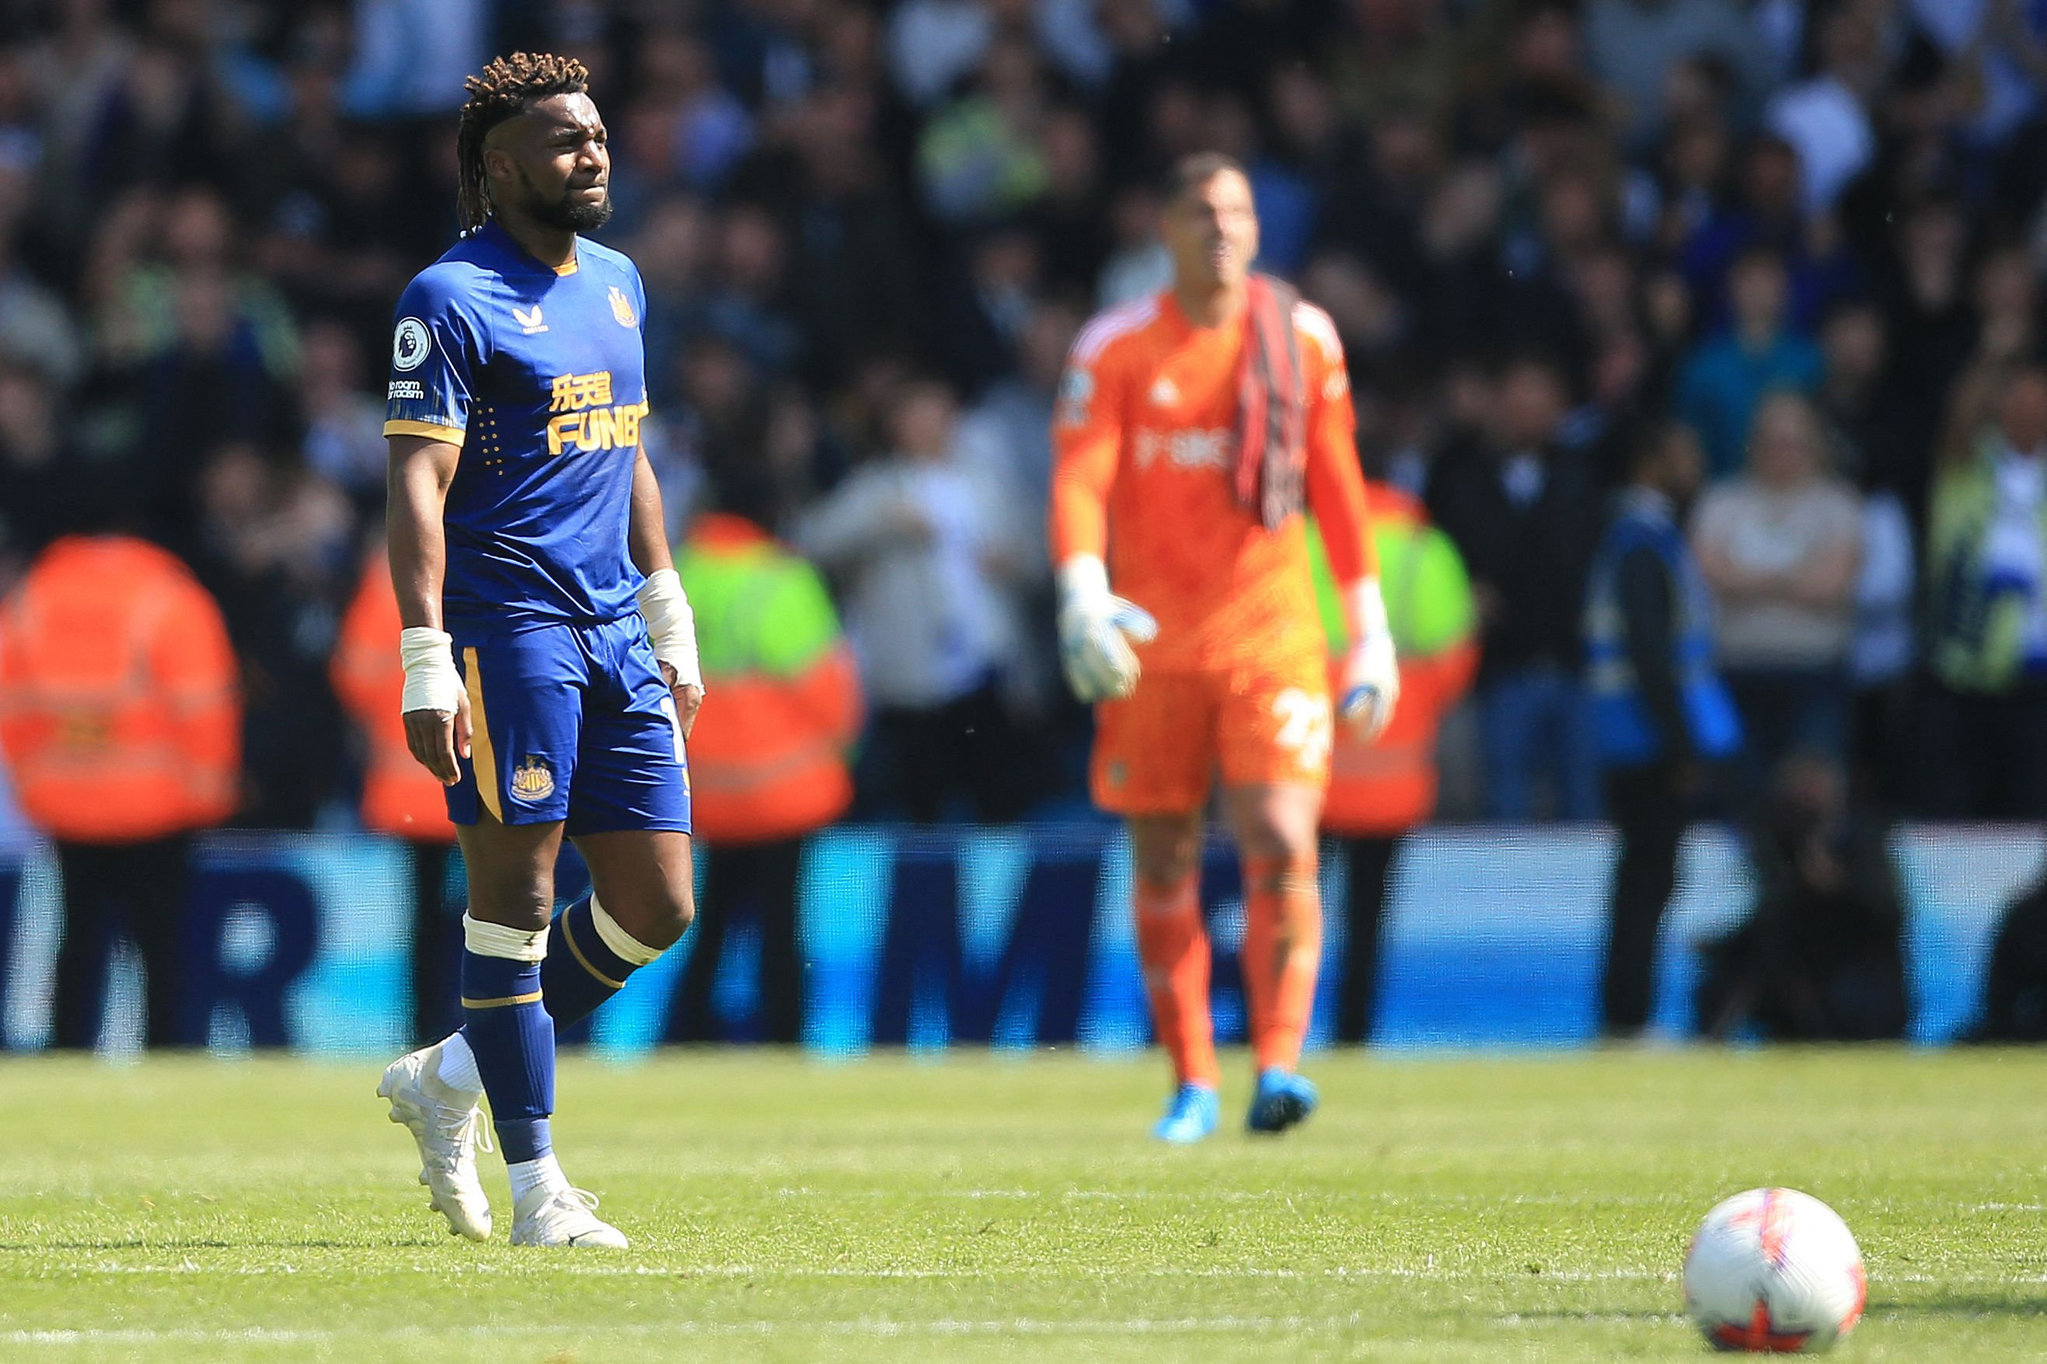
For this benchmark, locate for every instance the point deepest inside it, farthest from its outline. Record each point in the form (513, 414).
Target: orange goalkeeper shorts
(1159, 751)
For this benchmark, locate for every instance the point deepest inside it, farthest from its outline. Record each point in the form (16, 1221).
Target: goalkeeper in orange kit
(1194, 429)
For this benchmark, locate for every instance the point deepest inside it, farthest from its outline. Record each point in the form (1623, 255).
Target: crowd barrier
(1013, 937)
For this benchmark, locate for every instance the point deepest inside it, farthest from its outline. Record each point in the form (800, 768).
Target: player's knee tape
(503, 941)
(589, 959)
(623, 945)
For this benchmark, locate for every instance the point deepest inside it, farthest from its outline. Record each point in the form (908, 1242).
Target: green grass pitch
(980, 1208)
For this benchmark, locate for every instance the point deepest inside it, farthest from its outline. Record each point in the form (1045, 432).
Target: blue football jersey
(540, 376)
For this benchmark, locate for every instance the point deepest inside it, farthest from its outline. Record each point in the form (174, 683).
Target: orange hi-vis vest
(782, 706)
(398, 795)
(1390, 786)
(120, 708)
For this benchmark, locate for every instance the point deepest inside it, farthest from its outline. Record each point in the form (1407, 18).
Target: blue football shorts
(571, 722)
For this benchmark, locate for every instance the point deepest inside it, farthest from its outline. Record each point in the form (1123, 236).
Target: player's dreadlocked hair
(503, 91)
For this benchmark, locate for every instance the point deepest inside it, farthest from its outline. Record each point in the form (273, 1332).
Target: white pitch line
(871, 1327)
(191, 1269)
(683, 1273)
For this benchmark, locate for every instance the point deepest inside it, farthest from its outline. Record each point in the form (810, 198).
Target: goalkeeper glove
(671, 626)
(1371, 673)
(1095, 632)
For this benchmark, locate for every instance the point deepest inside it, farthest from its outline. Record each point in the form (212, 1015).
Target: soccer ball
(1774, 1271)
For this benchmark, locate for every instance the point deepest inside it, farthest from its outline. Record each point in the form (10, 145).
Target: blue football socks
(588, 961)
(508, 1028)
(582, 969)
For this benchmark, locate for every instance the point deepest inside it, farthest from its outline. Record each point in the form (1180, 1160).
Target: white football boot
(562, 1217)
(449, 1128)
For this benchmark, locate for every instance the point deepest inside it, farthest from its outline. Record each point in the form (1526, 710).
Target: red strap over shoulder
(1272, 407)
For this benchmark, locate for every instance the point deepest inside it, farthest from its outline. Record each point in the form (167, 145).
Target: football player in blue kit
(550, 657)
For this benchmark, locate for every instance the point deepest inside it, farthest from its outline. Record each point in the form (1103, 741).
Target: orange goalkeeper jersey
(1145, 444)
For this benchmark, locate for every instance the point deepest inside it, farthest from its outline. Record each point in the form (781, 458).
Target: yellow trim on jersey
(577, 953)
(483, 760)
(501, 1002)
(570, 266)
(431, 430)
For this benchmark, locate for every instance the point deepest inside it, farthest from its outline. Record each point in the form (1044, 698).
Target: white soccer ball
(1774, 1271)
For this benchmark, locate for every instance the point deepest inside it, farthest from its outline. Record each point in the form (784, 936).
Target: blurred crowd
(1810, 230)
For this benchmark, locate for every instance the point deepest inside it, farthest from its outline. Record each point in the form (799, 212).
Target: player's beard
(580, 215)
(568, 213)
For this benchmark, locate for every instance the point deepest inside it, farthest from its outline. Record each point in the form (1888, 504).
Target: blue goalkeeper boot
(1283, 1100)
(1191, 1114)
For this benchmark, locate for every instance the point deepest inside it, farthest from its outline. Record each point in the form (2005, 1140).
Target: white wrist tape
(671, 625)
(1364, 611)
(431, 682)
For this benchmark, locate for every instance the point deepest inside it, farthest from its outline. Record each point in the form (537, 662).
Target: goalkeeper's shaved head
(504, 91)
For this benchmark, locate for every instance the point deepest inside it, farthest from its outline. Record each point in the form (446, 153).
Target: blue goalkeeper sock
(508, 1029)
(589, 958)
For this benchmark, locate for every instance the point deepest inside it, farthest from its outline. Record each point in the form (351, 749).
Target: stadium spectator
(717, 408)
(120, 719)
(36, 330)
(1137, 263)
(400, 798)
(921, 552)
(857, 282)
(1633, 45)
(1379, 791)
(1821, 957)
(1007, 434)
(1781, 549)
(1006, 440)
(1067, 223)
(1923, 288)
(343, 420)
(1827, 117)
(275, 546)
(980, 332)
(411, 55)
(744, 300)
(1986, 566)
(1860, 410)
(1525, 514)
(1883, 655)
(40, 474)
(1729, 372)
(979, 157)
(709, 130)
(1766, 213)
(768, 762)
(75, 64)
(933, 45)
(1662, 719)
(323, 202)
(2015, 985)
(194, 348)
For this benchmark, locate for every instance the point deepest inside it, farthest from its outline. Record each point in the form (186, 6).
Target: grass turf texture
(978, 1208)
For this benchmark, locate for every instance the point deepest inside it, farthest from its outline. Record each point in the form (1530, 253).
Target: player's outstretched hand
(1371, 686)
(437, 736)
(1096, 630)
